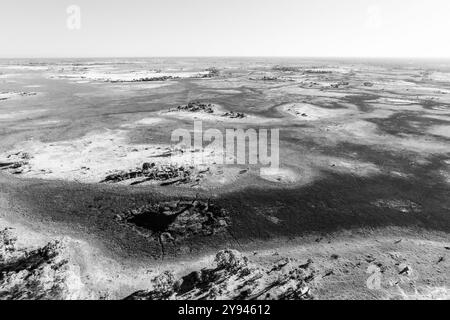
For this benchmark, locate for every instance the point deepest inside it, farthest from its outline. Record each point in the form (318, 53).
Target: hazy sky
(338, 28)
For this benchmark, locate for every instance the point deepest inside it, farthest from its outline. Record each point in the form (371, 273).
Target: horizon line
(228, 56)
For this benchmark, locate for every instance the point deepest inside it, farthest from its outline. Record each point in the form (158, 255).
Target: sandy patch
(149, 121)
(46, 122)
(87, 159)
(24, 67)
(440, 76)
(133, 76)
(148, 85)
(227, 91)
(309, 112)
(434, 90)
(396, 101)
(310, 92)
(145, 122)
(283, 175)
(351, 268)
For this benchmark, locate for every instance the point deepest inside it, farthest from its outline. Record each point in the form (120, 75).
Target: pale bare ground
(345, 124)
(93, 157)
(98, 154)
(443, 131)
(318, 112)
(89, 274)
(362, 264)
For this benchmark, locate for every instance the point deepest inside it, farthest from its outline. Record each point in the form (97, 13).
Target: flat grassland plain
(96, 202)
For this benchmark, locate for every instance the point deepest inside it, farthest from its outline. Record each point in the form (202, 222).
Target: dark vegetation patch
(339, 202)
(178, 219)
(362, 101)
(405, 122)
